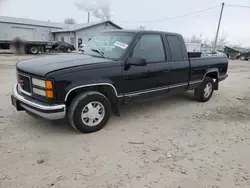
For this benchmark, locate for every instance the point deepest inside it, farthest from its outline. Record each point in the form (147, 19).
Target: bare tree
(69, 21)
(142, 27)
(97, 8)
(194, 39)
(222, 41)
(205, 41)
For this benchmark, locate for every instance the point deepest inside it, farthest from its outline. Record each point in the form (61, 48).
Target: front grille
(24, 82)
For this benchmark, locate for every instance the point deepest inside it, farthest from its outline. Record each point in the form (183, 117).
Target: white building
(82, 33)
(34, 30)
(31, 30)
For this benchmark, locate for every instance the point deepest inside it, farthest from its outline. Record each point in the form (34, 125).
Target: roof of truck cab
(140, 31)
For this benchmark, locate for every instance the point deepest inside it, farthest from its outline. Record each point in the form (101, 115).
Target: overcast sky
(131, 14)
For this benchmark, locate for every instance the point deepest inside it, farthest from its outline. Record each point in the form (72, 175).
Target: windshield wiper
(99, 52)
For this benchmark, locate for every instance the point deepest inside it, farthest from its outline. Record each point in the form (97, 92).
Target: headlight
(46, 87)
(45, 93)
(37, 82)
(42, 83)
(39, 91)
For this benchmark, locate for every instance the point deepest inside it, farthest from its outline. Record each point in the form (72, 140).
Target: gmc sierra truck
(115, 67)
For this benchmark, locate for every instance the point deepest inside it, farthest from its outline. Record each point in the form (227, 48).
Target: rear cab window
(151, 48)
(174, 48)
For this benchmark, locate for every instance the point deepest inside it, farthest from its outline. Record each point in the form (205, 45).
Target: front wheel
(68, 50)
(89, 112)
(205, 91)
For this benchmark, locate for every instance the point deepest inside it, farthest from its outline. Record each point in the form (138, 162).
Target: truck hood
(45, 65)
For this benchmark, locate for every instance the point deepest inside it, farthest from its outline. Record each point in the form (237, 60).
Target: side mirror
(137, 61)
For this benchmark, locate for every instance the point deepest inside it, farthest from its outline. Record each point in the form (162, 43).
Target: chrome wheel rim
(69, 50)
(93, 113)
(208, 89)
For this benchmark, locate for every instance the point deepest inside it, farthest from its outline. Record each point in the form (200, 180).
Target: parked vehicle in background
(211, 54)
(81, 47)
(20, 46)
(116, 67)
(60, 46)
(244, 56)
(22, 36)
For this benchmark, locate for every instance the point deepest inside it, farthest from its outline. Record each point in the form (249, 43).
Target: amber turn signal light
(48, 84)
(49, 94)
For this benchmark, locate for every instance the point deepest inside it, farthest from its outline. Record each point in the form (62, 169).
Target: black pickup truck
(116, 66)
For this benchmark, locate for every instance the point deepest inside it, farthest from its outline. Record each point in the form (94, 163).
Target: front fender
(78, 85)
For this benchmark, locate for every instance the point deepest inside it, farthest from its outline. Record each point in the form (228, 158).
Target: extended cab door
(153, 75)
(178, 76)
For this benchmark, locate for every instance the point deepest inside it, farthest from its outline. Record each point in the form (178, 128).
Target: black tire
(77, 106)
(68, 50)
(200, 94)
(33, 50)
(243, 58)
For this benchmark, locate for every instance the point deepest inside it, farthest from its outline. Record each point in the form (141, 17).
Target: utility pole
(88, 16)
(218, 28)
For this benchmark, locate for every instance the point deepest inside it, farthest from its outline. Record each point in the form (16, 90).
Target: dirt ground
(169, 142)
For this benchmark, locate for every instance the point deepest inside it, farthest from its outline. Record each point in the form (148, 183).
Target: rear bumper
(51, 112)
(221, 78)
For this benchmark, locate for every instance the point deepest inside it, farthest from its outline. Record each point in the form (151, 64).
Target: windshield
(111, 45)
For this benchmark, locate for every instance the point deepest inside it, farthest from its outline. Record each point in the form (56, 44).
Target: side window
(175, 48)
(150, 47)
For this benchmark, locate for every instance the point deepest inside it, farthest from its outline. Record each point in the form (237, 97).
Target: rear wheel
(89, 112)
(243, 58)
(69, 50)
(33, 50)
(205, 91)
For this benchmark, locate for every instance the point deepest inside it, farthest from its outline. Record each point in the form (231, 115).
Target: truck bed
(200, 65)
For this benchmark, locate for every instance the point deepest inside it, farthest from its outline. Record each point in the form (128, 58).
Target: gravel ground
(168, 142)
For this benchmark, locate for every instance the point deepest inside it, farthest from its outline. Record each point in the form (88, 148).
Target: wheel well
(213, 75)
(108, 91)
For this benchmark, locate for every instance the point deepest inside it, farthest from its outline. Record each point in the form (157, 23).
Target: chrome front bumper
(51, 112)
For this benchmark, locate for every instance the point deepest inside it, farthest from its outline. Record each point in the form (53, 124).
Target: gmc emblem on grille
(20, 82)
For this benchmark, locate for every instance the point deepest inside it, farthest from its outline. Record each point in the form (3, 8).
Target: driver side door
(140, 79)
